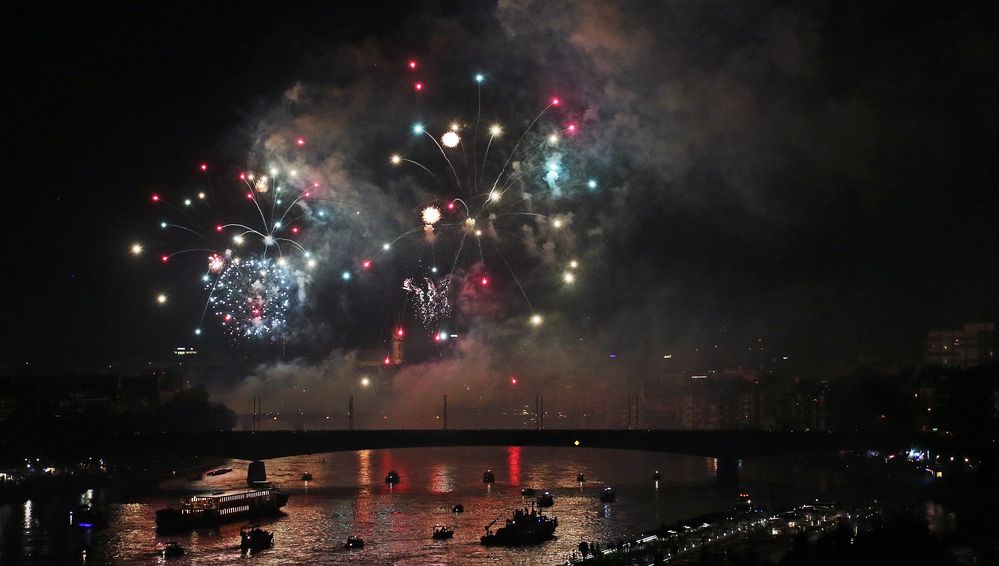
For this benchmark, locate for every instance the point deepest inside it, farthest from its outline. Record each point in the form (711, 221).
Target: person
(584, 549)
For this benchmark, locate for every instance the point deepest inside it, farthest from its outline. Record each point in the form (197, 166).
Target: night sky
(818, 175)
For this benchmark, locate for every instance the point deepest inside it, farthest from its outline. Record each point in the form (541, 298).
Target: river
(347, 495)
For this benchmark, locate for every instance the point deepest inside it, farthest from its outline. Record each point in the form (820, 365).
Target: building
(974, 345)
(714, 400)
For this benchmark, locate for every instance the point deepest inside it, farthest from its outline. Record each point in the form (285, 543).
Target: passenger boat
(219, 472)
(441, 532)
(525, 527)
(354, 542)
(608, 495)
(392, 478)
(488, 477)
(220, 507)
(545, 500)
(255, 539)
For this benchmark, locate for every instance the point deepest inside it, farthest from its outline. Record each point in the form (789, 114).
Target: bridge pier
(728, 471)
(256, 472)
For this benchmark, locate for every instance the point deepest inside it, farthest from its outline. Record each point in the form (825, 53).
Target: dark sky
(822, 175)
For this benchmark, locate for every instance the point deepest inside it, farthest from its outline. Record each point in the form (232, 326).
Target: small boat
(488, 477)
(354, 542)
(580, 478)
(657, 476)
(545, 500)
(87, 517)
(528, 492)
(255, 539)
(173, 550)
(392, 478)
(441, 532)
(307, 476)
(458, 508)
(219, 472)
(522, 529)
(608, 495)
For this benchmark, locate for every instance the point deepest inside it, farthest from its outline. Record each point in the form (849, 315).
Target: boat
(580, 478)
(545, 500)
(441, 532)
(525, 527)
(220, 507)
(458, 508)
(219, 472)
(392, 478)
(173, 550)
(528, 492)
(255, 539)
(657, 476)
(488, 477)
(87, 517)
(608, 495)
(307, 476)
(354, 542)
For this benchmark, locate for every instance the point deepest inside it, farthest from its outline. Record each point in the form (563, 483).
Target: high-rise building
(972, 346)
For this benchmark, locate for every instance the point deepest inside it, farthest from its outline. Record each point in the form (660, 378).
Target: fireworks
(252, 293)
(216, 263)
(431, 300)
(251, 298)
(532, 170)
(431, 215)
(450, 139)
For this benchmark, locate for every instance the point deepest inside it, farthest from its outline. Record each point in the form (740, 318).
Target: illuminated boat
(608, 495)
(580, 478)
(545, 500)
(220, 507)
(392, 478)
(354, 542)
(87, 517)
(255, 539)
(441, 532)
(522, 529)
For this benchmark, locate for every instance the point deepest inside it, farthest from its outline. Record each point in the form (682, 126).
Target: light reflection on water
(347, 495)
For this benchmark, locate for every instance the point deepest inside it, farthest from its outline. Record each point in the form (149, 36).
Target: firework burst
(497, 193)
(431, 299)
(255, 265)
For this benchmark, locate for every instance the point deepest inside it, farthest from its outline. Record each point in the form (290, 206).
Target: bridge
(276, 444)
